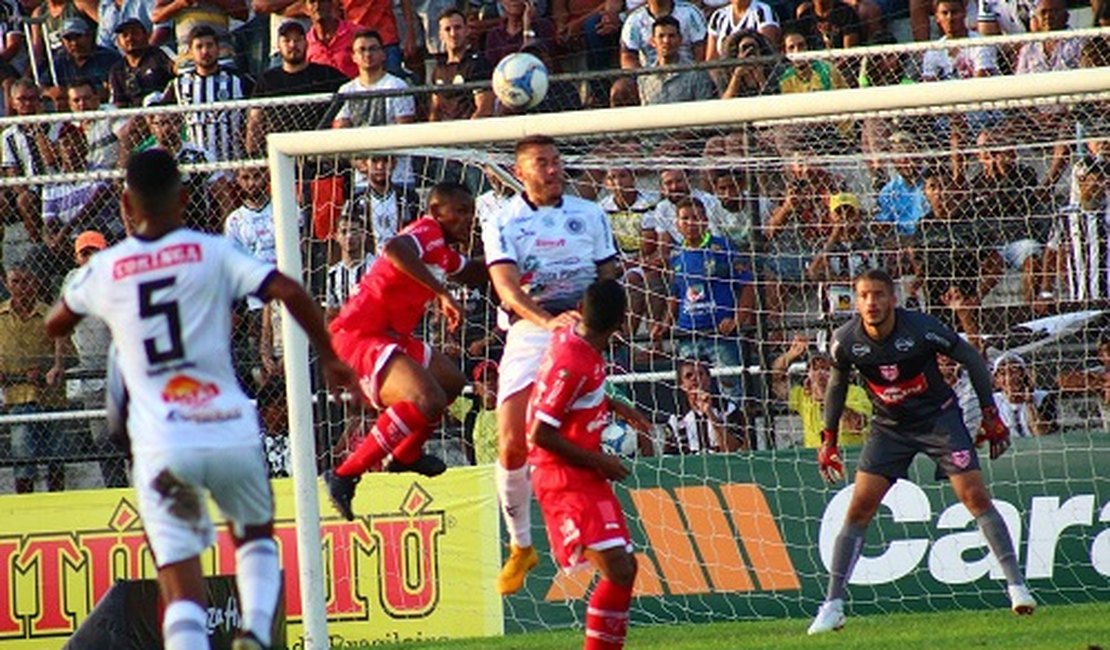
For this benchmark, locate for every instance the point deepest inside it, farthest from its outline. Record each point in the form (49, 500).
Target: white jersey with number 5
(556, 248)
(168, 304)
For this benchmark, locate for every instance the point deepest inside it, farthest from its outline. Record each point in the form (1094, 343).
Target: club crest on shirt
(889, 372)
(575, 225)
(961, 458)
(903, 344)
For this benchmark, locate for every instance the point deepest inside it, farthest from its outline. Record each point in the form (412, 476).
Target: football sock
(998, 539)
(408, 451)
(258, 574)
(184, 626)
(392, 426)
(607, 616)
(515, 492)
(846, 551)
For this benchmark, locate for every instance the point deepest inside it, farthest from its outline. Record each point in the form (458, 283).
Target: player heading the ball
(570, 473)
(165, 293)
(915, 411)
(402, 376)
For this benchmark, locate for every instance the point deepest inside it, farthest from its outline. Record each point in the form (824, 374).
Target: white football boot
(829, 618)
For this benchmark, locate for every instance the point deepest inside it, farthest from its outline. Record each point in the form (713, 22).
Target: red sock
(409, 450)
(394, 425)
(607, 616)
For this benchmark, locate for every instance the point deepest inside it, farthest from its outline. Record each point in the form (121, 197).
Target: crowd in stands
(710, 254)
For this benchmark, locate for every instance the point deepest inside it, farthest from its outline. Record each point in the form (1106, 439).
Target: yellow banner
(418, 564)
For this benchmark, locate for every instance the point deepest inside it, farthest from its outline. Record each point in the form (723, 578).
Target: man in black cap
(81, 58)
(295, 76)
(143, 69)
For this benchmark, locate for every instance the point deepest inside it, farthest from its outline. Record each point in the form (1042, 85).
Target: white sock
(185, 626)
(514, 489)
(258, 573)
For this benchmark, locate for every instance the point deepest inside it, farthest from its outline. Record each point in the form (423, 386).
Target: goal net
(984, 199)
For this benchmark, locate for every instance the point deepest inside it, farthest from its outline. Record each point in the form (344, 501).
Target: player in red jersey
(401, 375)
(570, 474)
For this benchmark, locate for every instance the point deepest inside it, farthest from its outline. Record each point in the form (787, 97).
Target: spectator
(54, 14)
(636, 48)
(672, 87)
(741, 15)
(69, 208)
(26, 357)
(212, 17)
(712, 296)
(102, 135)
(251, 225)
(956, 63)
(112, 14)
(829, 24)
(459, 64)
(418, 27)
(477, 413)
(200, 211)
(378, 17)
(13, 48)
(355, 259)
(331, 37)
(593, 26)
(218, 132)
(674, 184)
(1094, 380)
(1078, 251)
(737, 207)
(26, 151)
(749, 79)
(849, 250)
(711, 423)
(902, 201)
(91, 339)
(871, 18)
(296, 75)
(81, 58)
(808, 399)
(1051, 53)
(384, 206)
(143, 70)
(1026, 410)
(807, 75)
(273, 416)
(520, 26)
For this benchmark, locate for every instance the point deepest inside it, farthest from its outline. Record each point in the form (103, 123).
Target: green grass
(1055, 627)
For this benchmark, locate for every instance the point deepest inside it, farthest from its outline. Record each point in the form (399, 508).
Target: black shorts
(889, 451)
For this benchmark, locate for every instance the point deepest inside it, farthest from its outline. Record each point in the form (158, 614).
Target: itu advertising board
(419, 564)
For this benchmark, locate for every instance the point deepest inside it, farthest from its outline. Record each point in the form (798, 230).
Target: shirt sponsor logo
(861, 349)
(903, 344)
(187, 391)
(164, 258)
(898, 393)
(889, 372)
(204, 416)
(550, 243)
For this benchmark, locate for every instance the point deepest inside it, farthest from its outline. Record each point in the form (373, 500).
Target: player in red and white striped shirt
(570, 474)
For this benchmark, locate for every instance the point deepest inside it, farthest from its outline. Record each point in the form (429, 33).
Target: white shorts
(520, 362)
(173, 486)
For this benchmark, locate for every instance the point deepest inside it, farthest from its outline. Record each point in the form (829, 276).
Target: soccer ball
(619, 439)
(520, 80)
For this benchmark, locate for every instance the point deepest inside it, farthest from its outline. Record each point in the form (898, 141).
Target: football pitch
(1053, 627)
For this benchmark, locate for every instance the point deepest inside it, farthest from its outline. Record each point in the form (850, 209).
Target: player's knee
(622, 570)
(252, 532)
(431, 401)
(977, 500)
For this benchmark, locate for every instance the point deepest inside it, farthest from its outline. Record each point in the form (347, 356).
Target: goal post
(285, 150)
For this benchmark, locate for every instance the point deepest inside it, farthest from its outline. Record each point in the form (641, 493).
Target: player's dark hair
(876, 275)
(603, 306)
(448, 193)
(153, 179)
(532, 141)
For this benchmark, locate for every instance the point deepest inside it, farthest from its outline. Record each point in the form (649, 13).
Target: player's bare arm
(630, 414)
(306, 312)
(405, 256)
(61, 320)
(506, 281)
(548, 437)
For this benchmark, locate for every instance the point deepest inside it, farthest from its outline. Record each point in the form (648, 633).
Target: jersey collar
(524, 196)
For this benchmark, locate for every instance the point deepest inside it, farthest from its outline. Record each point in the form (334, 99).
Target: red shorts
(368, 353)
(586, 515)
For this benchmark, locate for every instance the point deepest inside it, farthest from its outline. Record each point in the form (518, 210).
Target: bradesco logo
(962, 557)
(701, 539)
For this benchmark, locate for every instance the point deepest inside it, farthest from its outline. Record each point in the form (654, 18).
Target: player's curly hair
(603, 306)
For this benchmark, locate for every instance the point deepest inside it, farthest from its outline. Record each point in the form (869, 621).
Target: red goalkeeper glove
(993, 431)
(829, 462)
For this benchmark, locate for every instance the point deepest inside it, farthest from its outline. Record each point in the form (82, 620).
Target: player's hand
(452, 311)
(993, 431)
(829, 461)
(611, 467)
(562, 320)
(338, 375)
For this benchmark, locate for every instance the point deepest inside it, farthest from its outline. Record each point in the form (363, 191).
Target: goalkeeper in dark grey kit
(895, 352)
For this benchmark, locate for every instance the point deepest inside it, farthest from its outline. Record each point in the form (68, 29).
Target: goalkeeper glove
(993, 431)
(829, 462)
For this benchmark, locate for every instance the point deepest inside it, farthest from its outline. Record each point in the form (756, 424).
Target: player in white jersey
(165, 294)
(543, 249)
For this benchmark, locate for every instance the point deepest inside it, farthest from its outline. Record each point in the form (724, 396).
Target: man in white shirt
(165, 294)
(956, 63)
(542, 249)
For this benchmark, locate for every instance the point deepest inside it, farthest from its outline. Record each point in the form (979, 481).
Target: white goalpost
(286, 149)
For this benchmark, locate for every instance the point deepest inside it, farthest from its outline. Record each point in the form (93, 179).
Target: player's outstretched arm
(548, 437)
(306, 312)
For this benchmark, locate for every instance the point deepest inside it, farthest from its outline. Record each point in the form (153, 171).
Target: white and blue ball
(520, 81)
(619, 439)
